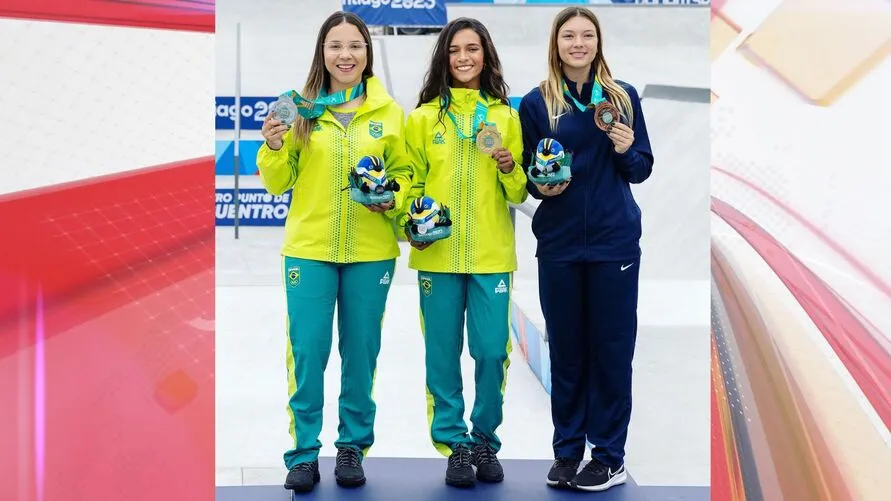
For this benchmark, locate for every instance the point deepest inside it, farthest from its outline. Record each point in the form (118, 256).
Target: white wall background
(110, 99)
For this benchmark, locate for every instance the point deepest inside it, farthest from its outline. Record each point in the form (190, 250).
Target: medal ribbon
(479, 117)
(313, 108)
(596, 95)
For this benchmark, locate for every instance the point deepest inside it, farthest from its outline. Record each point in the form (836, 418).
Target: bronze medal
(488, 139)
(605, 115)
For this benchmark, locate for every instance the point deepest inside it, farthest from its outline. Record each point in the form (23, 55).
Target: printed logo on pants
(502, 288)
(385, 280)
(293, 276)
(427, 286)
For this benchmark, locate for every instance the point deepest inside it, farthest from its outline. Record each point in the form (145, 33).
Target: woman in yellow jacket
(336, 250)
(471, 270)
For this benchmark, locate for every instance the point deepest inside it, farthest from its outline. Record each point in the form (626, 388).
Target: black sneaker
(562, 472)
(596, 476)
(488, 469)
(460, 470)
(303, 477)
(349, 472)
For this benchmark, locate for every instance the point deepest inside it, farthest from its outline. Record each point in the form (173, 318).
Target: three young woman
(588, 232)
(469, 273)
(337, 252)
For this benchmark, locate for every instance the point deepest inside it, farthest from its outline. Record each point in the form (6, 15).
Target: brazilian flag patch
(427, 286)
(293, 276)
(375, 129)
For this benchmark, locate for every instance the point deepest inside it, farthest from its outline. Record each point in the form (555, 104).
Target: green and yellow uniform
(471, 271)
(336, 252)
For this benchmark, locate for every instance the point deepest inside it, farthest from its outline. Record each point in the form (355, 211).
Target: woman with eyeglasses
(337, 251)
(588, 230)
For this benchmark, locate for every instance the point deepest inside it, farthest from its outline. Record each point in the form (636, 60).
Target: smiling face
(346, 56)
(577, 42)
(466, 59)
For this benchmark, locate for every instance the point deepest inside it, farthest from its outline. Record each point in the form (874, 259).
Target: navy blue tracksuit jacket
(588, 254)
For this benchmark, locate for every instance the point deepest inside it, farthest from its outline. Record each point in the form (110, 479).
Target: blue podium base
(415, 479)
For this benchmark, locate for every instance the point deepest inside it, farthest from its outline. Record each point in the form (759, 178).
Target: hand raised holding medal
(486, 135)
(488, 141)
(607, 117)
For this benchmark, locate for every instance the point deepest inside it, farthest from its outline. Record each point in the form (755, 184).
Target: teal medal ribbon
(596, 96)
(479, 118)
(605, 113)
(313, 108)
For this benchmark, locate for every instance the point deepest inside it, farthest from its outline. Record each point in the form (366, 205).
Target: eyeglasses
(352, 47)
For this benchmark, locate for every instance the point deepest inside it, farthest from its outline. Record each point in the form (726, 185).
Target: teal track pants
(360, 292)
(445, 299)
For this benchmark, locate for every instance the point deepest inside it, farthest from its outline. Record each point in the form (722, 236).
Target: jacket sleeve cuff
(515, 179)
(266, 151)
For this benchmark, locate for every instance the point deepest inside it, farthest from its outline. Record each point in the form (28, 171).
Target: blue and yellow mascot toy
(551, 163)
(369, 184)
(427, 222)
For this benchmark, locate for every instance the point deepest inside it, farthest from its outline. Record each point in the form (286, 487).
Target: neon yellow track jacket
(454, 172)
(323, 223)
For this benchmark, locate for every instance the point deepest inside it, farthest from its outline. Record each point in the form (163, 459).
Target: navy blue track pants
(591, 315)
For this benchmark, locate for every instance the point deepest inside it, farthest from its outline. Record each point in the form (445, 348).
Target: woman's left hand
(622, 137)
(381, 207)
(505, 160)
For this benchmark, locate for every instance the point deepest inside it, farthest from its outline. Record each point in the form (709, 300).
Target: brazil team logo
(294, 276)
(427, 286)
(376, 129)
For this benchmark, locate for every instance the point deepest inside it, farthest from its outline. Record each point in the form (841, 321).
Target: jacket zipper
(343, 209)
(462, 172)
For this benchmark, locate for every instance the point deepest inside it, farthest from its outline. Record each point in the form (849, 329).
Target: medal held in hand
(605, 115)
(488, 139)
(427, 221)
(485, 134)
(369, 184)
(290, 104)
(285, 109)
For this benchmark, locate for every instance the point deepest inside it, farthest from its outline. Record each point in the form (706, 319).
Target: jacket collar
(585, 96)
(376, 97)
(464, 100)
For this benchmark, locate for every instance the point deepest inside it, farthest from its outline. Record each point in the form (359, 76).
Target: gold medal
(605, 115)
(488, 139)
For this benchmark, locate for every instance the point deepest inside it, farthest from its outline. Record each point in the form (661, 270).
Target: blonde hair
(552, 88)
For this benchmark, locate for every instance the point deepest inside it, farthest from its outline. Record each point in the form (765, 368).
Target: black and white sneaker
(303, 477)
(460, 470)
(596, 476)
(348, 471)
(562, 472)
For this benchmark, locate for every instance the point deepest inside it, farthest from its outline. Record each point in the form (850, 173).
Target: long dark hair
(319, 78)
(439, 76)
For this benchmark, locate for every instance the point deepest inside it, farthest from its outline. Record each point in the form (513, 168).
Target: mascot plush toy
(551, 164)
(427, 221)
(369, 184)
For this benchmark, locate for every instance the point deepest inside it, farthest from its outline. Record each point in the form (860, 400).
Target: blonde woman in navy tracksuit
(588, 231)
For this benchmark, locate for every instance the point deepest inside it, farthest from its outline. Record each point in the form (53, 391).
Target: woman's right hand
(417, 245)
(552, 190)
(273, 132)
